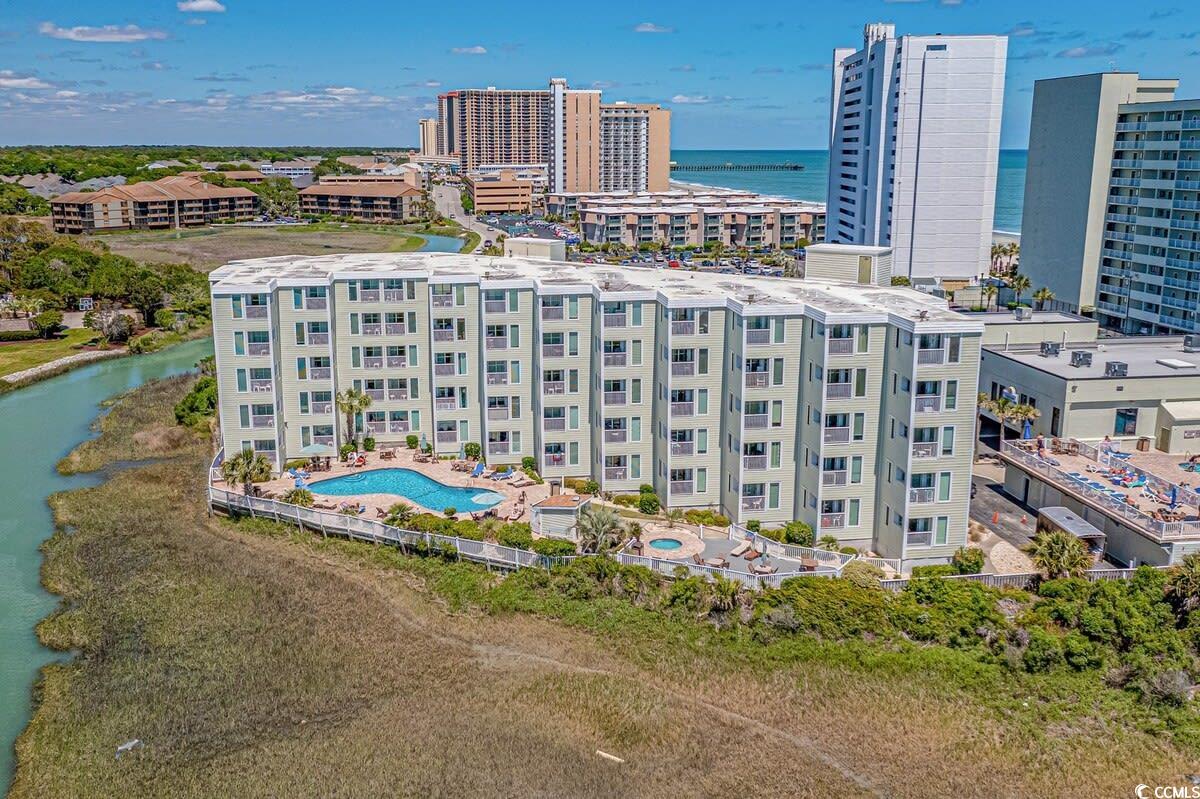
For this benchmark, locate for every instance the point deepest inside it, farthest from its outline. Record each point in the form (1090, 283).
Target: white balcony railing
(498, 447)
(397, 362)
(919, 496)
(925, 449)
(393, 295)
(368, 295)
(757, 379)
(373, 362)
(834, 478)
(553, 424)
(838, 391)
(496, 342)
(682, 487)
(261, 386)
(616, 436)
(376, 427)
(326, 440)
(683, 447)
(256, 312)
(376, 393)
(931, 356)
(554, 459)
(316, 304)
(615, 473)
(615, 358)
(554, 387)
(754, 503)
(394, 328)
(443, 369)
(833, 521)
(760, 335)
(836, 435)
(683, 368)
(841, 346)
(495, 306)
(447, 436)
(497, 378)
(755, 421)
(614, 397)
(553, 350)
(685, 327)
(372, 329)
(259, 348)
(614, 320)
(320, 373)
(443, 334)
(262, 420)
(754, 462)
(443, 300)
(322, 407)
(395, 394)
(318, 339)
(930, 403)
(445, 403)
(497, 413)
(683, 409)
(552, 313)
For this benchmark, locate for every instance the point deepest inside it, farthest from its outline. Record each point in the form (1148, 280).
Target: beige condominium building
(849, 407)
(584, 144)
(499, 192)
(429, 137)
(171, 202)
(362, 201)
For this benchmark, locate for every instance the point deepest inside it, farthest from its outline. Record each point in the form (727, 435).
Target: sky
(361, 73)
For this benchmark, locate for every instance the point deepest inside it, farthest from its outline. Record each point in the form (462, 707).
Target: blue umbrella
(1174, 495)
(1027, 433)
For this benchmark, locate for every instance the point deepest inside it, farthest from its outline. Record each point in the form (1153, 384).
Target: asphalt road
(448, 202)
(991, 499)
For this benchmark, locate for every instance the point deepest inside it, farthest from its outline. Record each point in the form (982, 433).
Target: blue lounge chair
(503, 475)
(478, 470)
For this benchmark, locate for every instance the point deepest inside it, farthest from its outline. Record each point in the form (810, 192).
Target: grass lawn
(254, 660)
(18, 355)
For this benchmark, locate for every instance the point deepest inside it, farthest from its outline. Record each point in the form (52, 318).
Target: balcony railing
(614, 320)
(396, 394)
(320, 373)
(760, 335)
(443, 334)
(259, 348)
(261, 386)
(686, 327)
(554, 387)
(496, 342)
(398, 427)
(836, 435)
(615, 473)
(551, 313)
(919, 496)
(322, 407)
(834, 478)
(442, 300)
(394, 328)
(443, 369)
(682, 487)
(616, 436)
(754, 462)
(553, 350)
(497, 378)
(397, 362)
(925, 449)
(683, 408)
(256, 312)
(262, 420)
(495, 306)
(754, 503)
(393, 295)
(755, 421)
(757, 379)
(553, 424)
(683, 368)
(368, 295)
(316, 304)
(929, 404)
(447, 436)
(841, 346)
(326, 440)
(614, 397)
(931, 356)
(373, 329)
(497, 413)
(498, 447)
(376, 393)
(838, 391)
(318, 339)
(833, 521)
(615, 358)
(554, 459)
(376, 427)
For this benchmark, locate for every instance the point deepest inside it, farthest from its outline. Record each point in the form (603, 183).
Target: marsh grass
(254, 660)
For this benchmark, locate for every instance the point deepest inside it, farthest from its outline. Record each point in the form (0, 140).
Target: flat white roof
(1146, 356)
(675, 287)
(850, 249)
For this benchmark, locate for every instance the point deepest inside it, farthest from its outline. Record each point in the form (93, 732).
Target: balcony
(320, 373)
(325, 440)
(497, 378)
(554, 459)
(755, 421)
(376, 393)
(498, 448)
(841, 346)
(322, 407)
(754, 503)
(447, 436)
(754, 462)
(679, 487)
(256, 312)
(925, 449)
(552, 313)
(553, 424)
(929, 357)
(683, 368)
(258, 348)
(757, 379)
(443, 334)
(318, 339)
(614, 397)
(262, 420)
(368, 295)
(615, 473)
(758, 335)
(443, 369)
(442, 300)
(614, 320)
(838, 391)
(398, 427)
(394, 328)
(919, 496)
(683, 447)
(495, 306)
(261, 386)
(397, 362)
(931, 403)
(554, 388)
(685, 327)
(497, 413)
(496, 342)
(834, 478)
(316, 304)
(836, 435)
(553, 350)
(683, 409)
(393, 295)
(376, 427)
(397, 394)
(615, 358)
(833, 521)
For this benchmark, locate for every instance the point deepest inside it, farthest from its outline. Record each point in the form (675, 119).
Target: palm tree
(1183, 587)
(400, 514)
(1020, 284)
(726, 593)
(989, 295)
(1056, 553)
(246, 468)
(597, 529)
(351, 402)
(718, 250)
(1043, 296)
(997, 252)
(299, 496)
(1008, 412)
(674, 516)
(829, 543)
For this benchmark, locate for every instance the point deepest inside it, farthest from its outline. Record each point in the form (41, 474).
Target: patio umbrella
(1174, 495)
(316, 449)
(1027, 432)
(423, 442)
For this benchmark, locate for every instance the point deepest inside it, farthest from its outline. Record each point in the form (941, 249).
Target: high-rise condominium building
(584, 144)
(1112, 200)
(849, 407)
(914, 146)
(429, 136)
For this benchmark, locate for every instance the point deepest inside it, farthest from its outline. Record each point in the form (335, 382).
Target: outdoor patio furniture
(502, 475)
(717, 563)
(699, 561)
(387, 455)
(751, 554)
(808, 564)
(636, 546)
(756, 568)
(739, 549)
(478, 470)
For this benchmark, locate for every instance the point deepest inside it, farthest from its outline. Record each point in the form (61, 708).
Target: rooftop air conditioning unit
(1022, 313)
(1081, 358)
(1116, 369)
(1191, 343)
(1050, 349)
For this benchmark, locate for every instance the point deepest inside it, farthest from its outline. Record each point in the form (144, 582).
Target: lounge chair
(739, 549)
(478, 470)
(717, 562)
(522, 482)
(751, 554)
(502, 475)
(757, 569)
(699, 561)
(517, 513)
(387, 455)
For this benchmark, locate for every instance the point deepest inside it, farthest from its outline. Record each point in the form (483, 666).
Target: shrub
(528, 463)
(848, 550)
(369, 444)
(798, 533)
(153, 341)
(705, 516)
(938, 570)
(472, 450)
(515, 534)
(164, 318)
(754, 526)
(411, 441)
(47, 323)
(450, 511)
(465, 528)
(533, 475)
(199, 404)
(835, 609)
(553, 547)
(1043, 652)
(590, 487)
(428, 523)
(968, 560)
(645, 488)
(18, 335)
(346, 449)
(299, 496)
(295, 463)
(627, 500)
(1170, 687)
(648, 504)
(862, 574)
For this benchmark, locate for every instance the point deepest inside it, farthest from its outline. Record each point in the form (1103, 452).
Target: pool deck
(377, 504)
(713, 546)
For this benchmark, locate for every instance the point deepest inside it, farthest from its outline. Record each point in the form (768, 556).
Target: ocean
(810, 183)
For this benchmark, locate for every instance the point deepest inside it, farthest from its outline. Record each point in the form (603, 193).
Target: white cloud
(342, 91)
(197, 21)
(650, 27)
(200, 6)
(691, 99)
(104, 33)
(11, 80)
(475, 50)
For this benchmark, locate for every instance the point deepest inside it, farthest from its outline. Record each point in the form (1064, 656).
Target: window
(947, 440)
(1126, 422)
(951, 395)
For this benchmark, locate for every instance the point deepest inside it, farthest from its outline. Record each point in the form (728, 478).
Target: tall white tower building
(914, 144)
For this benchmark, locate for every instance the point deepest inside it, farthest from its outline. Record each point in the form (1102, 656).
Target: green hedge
(18, 335)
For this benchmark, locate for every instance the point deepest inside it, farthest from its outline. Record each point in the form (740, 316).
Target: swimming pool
(666, 543)
(406, 483)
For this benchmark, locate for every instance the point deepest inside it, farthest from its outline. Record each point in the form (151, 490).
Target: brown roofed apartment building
(171, 202)
(499, 193)
(367, 202)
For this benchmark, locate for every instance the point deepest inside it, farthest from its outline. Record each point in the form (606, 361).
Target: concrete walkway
(52, 366)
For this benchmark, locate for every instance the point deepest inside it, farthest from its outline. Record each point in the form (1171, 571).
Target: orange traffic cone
(995, 517)
(1024, 519)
